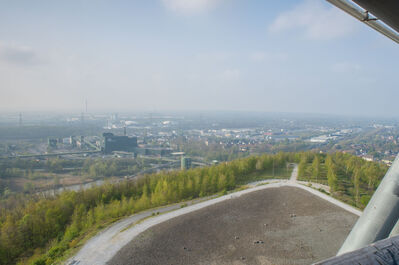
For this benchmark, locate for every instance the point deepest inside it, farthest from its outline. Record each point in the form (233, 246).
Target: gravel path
(285, 225)
(294, 174)
(101, 248)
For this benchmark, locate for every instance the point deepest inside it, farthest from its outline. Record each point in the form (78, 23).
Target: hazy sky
(280, 56)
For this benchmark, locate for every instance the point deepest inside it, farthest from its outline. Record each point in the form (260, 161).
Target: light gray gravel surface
(285, 225)
(106, 244)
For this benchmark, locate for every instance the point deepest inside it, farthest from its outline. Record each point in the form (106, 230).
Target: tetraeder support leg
(380, 215)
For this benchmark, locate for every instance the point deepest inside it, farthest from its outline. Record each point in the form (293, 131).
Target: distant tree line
(93, 168)
(10, 168)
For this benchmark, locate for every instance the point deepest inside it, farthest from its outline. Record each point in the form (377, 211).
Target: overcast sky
(257, 55)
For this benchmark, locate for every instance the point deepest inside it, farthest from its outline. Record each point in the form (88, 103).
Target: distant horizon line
(187, 111)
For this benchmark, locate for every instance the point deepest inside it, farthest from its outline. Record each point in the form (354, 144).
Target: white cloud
(261, 56)
(316, 19)
(188, 7)
(229, 75)
(17, 54)
(213, 56)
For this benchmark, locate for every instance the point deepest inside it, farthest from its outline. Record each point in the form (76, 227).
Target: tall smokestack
(124, 130)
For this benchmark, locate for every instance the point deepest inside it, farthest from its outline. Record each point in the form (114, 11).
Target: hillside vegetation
(41, 230)
(351, 179)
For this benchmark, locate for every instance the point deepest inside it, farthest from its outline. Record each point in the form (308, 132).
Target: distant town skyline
(301, 56)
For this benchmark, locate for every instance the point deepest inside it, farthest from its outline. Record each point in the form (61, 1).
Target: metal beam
(382, 252)
(380, 215)
(363, 16)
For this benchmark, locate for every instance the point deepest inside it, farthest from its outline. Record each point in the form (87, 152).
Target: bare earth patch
(284, 225)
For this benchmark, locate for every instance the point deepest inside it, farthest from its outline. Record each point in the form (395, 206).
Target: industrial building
(185, 163)
(52, 142)
(119, 143)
